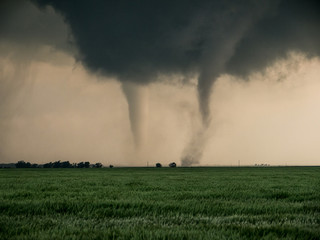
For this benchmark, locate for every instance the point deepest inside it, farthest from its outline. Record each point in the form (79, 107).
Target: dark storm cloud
(292, 26)
(138, 40)
(24, 29)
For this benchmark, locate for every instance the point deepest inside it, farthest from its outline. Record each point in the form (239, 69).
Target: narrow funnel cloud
(137, 98)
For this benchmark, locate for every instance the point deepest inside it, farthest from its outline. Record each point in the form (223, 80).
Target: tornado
(137, 99)
(136, 42)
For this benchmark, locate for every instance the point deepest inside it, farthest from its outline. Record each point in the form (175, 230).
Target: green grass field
(165, 203)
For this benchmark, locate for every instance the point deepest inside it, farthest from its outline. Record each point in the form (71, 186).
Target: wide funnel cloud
(139, 41)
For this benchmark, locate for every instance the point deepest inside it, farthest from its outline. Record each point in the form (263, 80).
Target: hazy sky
(190, 84)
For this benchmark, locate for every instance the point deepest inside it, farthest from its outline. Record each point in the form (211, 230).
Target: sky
(199, 83)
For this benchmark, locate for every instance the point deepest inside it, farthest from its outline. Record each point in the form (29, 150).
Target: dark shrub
(173, 164)
(98, 165)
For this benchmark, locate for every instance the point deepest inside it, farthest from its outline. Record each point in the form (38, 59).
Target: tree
(98, 165)
(20, 164)
(87, 164)
(23, 164)
(48, 165)
(65, 164)
(173, 164)
(158, 165)
(80, 165)
(56, 164)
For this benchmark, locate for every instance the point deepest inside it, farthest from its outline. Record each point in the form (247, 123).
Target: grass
(165, 203)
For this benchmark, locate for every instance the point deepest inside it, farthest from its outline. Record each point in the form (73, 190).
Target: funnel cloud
(137, 98)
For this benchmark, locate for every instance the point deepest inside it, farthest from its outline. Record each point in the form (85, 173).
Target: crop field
(160, 203)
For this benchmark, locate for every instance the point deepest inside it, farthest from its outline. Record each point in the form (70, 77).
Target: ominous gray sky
(138, 40)
(61, 68)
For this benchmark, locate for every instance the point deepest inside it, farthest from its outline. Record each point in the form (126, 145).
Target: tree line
(58, 164)
(67, 164)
